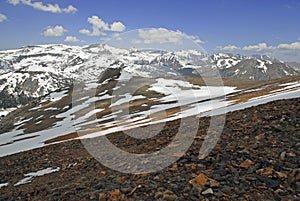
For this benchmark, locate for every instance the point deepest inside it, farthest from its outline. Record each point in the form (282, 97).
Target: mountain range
(35, 71)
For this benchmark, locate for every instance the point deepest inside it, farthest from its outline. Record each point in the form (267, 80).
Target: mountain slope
(35, 71)
(294, 65)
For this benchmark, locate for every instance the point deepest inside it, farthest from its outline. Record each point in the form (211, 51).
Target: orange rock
(102, 196)
(291, 154)
(260, 136)
(103, 173)
(281, 175)
(116, 195)
(246, 164)
(265, 172)
(199, 181)
(254, 118)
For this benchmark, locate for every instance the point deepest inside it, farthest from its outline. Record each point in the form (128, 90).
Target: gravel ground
(256, 158)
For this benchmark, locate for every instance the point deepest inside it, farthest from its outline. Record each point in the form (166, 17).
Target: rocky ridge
(256, 158)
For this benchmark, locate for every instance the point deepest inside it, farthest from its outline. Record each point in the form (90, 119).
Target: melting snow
(3, 185)
(55, 96)
(192, 100)
(28, 177)
(5, 112)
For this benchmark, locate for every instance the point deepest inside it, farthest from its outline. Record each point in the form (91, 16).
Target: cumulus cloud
(228, 48)
(84, 31)
(2, 17)
(257, 48)
(117, 26)
(98, 26)
(284, 51)
(70, 9)
(261, 47)
(162, 35)
(54, 31)
(291, 46)
(71, 39)
(53, 8)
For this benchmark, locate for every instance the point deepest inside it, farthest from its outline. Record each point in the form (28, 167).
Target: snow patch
(29, 176)
(3, 185)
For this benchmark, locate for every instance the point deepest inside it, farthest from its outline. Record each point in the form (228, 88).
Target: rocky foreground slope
(256, 158)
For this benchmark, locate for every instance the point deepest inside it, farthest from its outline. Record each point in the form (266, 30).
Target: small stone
(282, 155)
(199, 181)
(246, 164)
(93, 196)
(207, 192)
(280, 192)
(290, 154)
(103, 173)
(218, 194)
(260, 136)
(213, 183)
(158, 195)
(265, 172)
(116, 195)
(102, 196)
(169, 195)
(294, 175)
(281, 175)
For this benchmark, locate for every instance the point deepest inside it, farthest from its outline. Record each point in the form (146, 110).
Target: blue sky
(240, 26)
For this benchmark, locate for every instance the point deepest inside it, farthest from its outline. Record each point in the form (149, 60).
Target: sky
(270, 27)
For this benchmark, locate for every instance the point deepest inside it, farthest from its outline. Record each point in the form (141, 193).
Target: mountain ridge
(52, 67)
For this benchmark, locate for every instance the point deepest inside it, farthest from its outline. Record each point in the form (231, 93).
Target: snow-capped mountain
(35, 71)
(294, 65)
(256, 67)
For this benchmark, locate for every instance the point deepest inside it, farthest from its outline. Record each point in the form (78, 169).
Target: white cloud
(70, 9)
(162, 35)
(98, 23)
(262, 47)
(54, 31)
(284, 51)
(85, 31)
(71, 39)
(14, 2)
(228, 48)
(196, 39)
(98, 26)
(257, 48)
(53, 8)
(291, 46)
(2, 17)
(117, 26)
